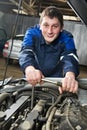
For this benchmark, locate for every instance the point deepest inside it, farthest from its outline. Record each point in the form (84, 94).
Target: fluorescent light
(20, 12)
(71, 18)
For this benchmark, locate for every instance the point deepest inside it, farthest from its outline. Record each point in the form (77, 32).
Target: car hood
(80, 8)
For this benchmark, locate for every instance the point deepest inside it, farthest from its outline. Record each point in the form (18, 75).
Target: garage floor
(12, 70)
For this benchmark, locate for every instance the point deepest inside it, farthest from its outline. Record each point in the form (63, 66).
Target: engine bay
(22, 108)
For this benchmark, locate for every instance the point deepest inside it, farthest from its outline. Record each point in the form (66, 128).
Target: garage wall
(79, 31)
(7, 21)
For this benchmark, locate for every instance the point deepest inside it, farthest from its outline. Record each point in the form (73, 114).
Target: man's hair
(52, 12)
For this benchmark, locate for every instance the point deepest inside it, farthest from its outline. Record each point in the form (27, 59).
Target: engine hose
(38, 90)
(54, 93)
(44, 119)
(49, 93)
(44, 127)
(47, 125)
(83, 112)
(37, 94)
(57, 101)
(3, 97)
(50, 118)
(67, 117)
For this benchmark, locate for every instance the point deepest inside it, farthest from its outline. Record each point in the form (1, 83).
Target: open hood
(80, 8)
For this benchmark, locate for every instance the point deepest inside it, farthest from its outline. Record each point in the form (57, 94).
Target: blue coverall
(54, 59)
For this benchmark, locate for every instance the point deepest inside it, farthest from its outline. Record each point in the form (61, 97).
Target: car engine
(23, 107)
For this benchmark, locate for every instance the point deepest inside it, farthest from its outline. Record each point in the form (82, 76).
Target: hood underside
(80, 8)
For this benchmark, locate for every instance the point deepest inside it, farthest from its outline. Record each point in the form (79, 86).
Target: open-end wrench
(59, 83)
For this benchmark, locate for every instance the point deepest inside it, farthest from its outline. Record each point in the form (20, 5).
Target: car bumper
(13, 55)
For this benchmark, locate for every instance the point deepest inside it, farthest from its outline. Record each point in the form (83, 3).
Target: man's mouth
(50, 36)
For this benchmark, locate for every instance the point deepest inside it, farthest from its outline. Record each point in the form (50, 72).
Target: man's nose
(50, 30)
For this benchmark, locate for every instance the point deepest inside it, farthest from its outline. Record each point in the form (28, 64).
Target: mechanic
(49, 51)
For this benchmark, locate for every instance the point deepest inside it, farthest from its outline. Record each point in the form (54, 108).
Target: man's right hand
(33, 76)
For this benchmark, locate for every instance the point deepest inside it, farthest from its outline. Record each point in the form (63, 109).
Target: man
(49, 51)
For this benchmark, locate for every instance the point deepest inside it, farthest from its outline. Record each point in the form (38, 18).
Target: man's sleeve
(69, 57)
(27, 55)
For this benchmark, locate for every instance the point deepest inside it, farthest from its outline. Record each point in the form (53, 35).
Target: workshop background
(17, 15)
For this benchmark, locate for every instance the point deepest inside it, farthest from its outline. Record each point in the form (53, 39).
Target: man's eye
(55, 26)
(45, 25)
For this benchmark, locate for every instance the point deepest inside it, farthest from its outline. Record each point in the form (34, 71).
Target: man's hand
(33, 75)
(69, 83)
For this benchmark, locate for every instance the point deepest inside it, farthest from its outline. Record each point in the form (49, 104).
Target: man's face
(50, 28)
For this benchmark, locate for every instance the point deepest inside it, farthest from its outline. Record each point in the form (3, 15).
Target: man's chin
(50, 41)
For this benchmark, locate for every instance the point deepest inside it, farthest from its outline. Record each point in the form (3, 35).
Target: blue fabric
(46, 57)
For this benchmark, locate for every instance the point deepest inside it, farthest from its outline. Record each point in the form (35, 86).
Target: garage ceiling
(34, 7)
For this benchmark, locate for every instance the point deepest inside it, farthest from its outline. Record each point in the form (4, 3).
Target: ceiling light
(20, 12)
(73, 18)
